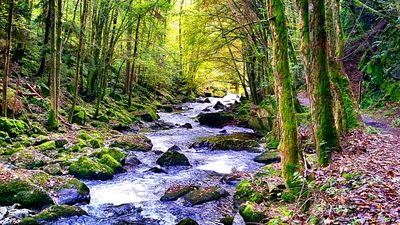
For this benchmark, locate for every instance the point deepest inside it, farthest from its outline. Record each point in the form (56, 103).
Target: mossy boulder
(133, 142)
(252, 212)
(177, 191)
(53, 169)
(17, 189)
(29, 159)
(234, 142)
(172, 158)
(56, 212)
(87, 168)
(109, 161)
(78, 146)
(13, 127)
(268, 157)
(48, 145)
(148, 115)
(113, 152)
(203, 195)
(79, 117)
(216, 119)
(247, 191)
(187, 221)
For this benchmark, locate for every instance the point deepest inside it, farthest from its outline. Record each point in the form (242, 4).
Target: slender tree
(289, 145)
(79, 57)
(7, 58)
(326, 137)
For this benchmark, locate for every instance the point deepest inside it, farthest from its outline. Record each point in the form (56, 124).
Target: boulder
(268, 157)
(175, 192)
(133, 142)
(55, 212)
(216, 119)
(79, 117)
(48, 145)
(252, 212)
(171, 158)
(86, 168)
(53, 169)
(114, 153)
(175, 148)
(234, 142)
(157, 170)
(109, 161)
(29, 159)
(132, 160)
(167, 108)
(148, 115)
(13, 127)
(187, 126)
(187, 221)
(219, 106)
(202, 195)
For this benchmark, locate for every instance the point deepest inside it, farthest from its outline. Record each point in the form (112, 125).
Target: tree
(7, 59)
(289, 144)
(325, 133)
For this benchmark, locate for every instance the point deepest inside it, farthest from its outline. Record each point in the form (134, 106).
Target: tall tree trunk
(59, 53)
(7, 59)
(79, 56)
(128, 61)
(289, 144)
(53, 116)
(325, 132)
(47, 31)
(133, 72)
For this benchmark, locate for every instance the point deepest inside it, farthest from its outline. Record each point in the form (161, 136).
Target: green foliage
(396, 122)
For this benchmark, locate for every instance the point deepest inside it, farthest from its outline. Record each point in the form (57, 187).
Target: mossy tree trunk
(326, 138)
(7, 59)
(53, 114)
(289, 144)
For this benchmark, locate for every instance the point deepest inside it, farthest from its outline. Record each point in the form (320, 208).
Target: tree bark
(325, 132)
(289, 144)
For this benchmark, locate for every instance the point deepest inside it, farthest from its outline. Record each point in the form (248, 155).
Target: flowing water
(134, 197)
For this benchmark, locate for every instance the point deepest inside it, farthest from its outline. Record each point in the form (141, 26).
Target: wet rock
(219, 106)
(49, 145)
(160, 125)
(187, 126)
(207, 194)
(207, 100)
(148, 115)
(133, 142)
(206, 109)
(86, 168)
(132, 160)
(19, 213)
(175, 148)
(172, 158)
(167, 108)
(227, 220)
(234, 178)
(55, 212)
(268, 157)
(175, 192)
(109, 161)
(158, 152)
(217, 119)
(115, 153)
(29, 159)
(234, 142)
(187, 221)
(53, 169)
(71, 196)
(3, 212)
(157, 170)
(223, 132)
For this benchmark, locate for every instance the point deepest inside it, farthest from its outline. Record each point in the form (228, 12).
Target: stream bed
(133, 197)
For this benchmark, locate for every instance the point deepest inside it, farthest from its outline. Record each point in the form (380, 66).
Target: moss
(53, 169)
(252, 212)
(55, 212)
(268, 157)
(202, 195)
(109, 161)
(13, 127)
(80, 144)
(227, 220)
(187, 221)
(86, 168)
(29, 159)
(96, 143)
(246, 191)
(115, 153)
(17, 190)
(235, 142)
(76, 184)
(49, 145)
(133, 143)
(175, 192)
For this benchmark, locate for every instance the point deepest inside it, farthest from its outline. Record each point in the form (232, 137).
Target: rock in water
(187, 221)
(175, 192)
(172, 158)
(217, 119)
(133, 142)
(268, 157)
(219, 106)
(204, 195)
(187, 126)
(175, 148)
(87, 168)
